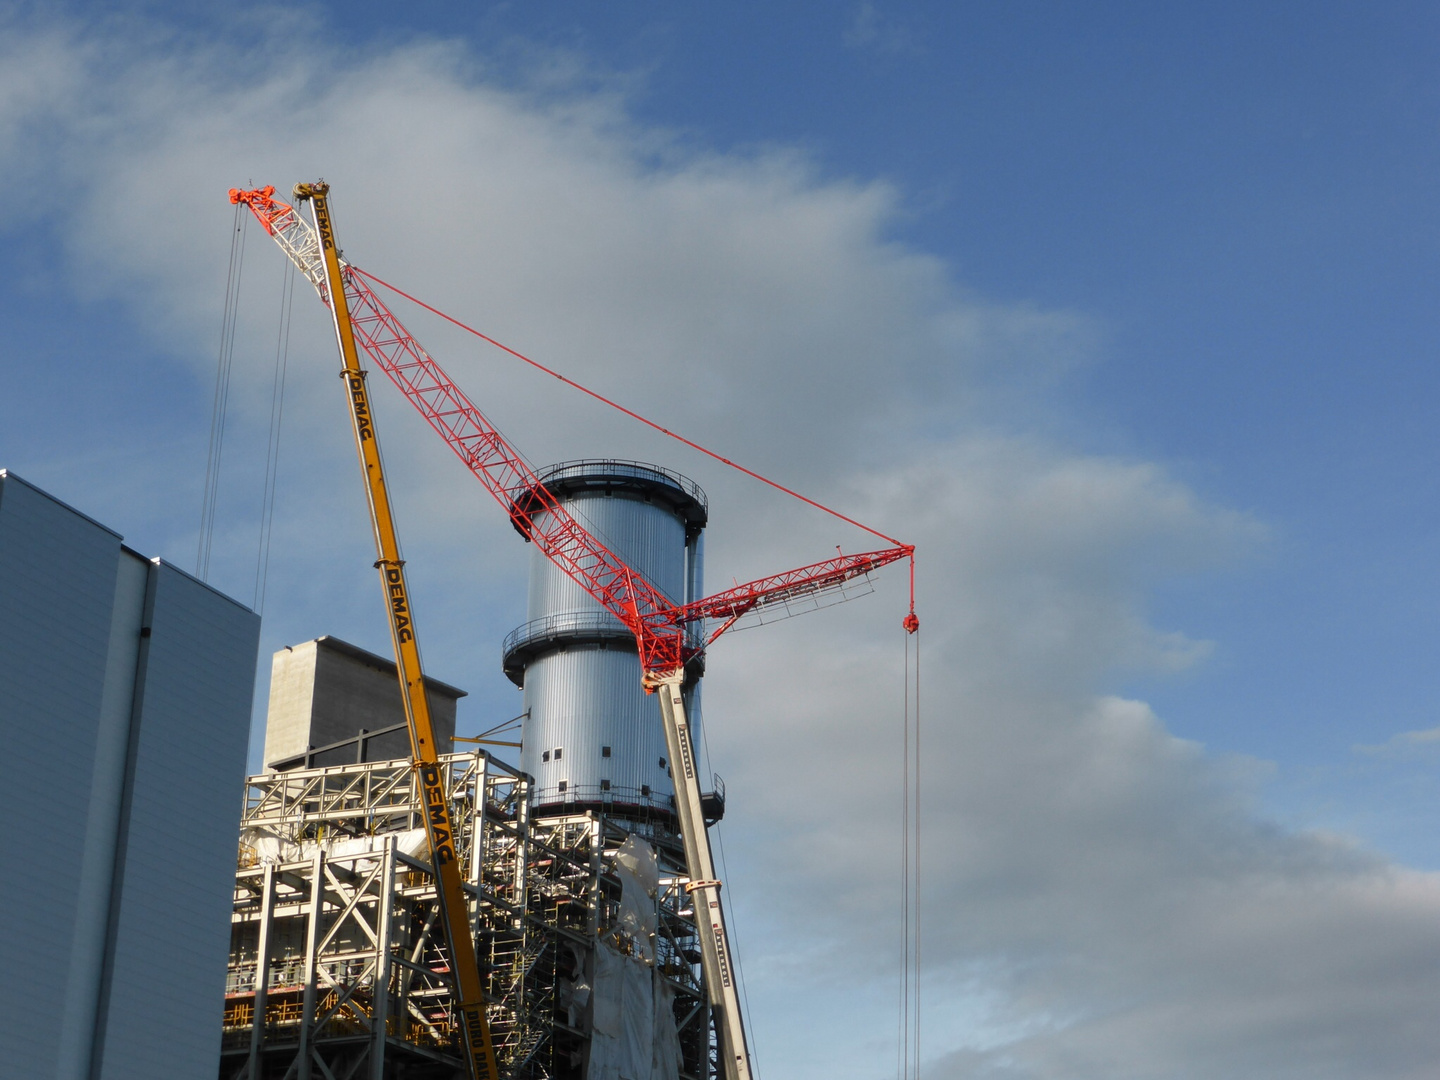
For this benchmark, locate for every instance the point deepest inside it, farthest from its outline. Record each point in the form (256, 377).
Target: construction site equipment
(660, 627)
(439, 826)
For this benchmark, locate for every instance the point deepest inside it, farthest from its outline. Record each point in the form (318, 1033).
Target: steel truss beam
(337, 944)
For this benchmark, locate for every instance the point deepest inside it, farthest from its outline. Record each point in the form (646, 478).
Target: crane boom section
(541, 517)
(439, 825)
(656, 621)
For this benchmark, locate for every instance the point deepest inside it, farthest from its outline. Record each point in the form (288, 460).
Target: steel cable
(220, 402)
(907, 1049)
(272, 445)
(621, 408)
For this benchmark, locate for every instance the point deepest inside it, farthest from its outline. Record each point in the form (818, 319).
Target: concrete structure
(592, 736)
(125, 689)
(332, 703)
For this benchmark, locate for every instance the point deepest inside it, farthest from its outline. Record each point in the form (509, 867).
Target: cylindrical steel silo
(591, 735)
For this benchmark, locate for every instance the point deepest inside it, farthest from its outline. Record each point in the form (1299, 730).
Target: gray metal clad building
(125, 693)
(592, 736)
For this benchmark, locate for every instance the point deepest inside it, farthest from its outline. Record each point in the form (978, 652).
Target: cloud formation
(1101, 899)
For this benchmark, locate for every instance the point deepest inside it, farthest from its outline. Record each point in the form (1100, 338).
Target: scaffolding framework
(337, 944)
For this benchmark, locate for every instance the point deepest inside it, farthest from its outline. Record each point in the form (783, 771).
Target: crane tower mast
(364, 322)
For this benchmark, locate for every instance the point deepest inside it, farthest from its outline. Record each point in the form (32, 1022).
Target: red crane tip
(911, 623)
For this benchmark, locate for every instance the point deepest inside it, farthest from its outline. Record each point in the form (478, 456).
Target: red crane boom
(657, 623)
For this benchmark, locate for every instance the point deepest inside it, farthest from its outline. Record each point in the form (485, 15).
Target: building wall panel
(171, 903)
(125, 760)
(57, 588)
(591, 698)
(107, 787)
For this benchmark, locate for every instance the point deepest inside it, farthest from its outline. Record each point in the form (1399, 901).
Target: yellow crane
(439, 825)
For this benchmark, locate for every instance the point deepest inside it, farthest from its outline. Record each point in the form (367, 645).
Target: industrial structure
(590, 736)
(573, 865)
(629, 969)
(582, 928)
(332, 703)
(125, 690)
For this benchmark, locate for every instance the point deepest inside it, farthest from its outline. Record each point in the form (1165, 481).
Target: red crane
(659, 626)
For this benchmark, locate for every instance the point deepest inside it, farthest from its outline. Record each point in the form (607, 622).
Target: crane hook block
(911, 623)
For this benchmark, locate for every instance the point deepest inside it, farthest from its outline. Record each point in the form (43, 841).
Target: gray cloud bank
(1100, 898)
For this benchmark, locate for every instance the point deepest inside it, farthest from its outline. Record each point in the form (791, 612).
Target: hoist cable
(902, 1047)
(272, 445)
(734, 929)
(220, 402)
(907, 1049)
(918, 860)
(621, 408)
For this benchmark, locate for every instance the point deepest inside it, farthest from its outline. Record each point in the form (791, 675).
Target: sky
(1123, 314)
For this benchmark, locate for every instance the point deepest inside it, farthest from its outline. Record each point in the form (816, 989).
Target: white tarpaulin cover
(639, 874)
(633, 1034)
(272, 848)
(667, 1059)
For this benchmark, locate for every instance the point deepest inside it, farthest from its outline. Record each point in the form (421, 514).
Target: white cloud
(869, 29)
(1406, 743)
(1101, 898)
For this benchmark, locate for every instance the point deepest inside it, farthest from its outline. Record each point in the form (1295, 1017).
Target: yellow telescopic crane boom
(439, 825)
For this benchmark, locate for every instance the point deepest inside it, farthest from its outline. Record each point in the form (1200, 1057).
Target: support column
(312, 964)
(262, 973)
(380, 1001)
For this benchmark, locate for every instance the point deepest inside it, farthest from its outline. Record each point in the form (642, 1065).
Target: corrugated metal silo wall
(649, 538)
(583, 698)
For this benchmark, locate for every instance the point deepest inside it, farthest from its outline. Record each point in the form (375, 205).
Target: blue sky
(1146, 295)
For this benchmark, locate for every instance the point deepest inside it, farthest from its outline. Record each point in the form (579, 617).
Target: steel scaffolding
(336, 942)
